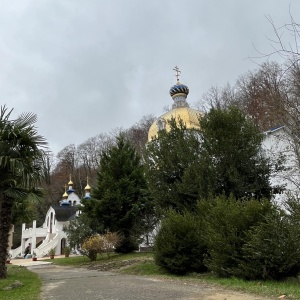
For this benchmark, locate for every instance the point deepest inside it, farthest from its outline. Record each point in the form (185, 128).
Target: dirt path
(79, 283)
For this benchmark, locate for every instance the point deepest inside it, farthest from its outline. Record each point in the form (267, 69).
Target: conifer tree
(172, 160)
(232, 158)
(120, 200)
(224, 156)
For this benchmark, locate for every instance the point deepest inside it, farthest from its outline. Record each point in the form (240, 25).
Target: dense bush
(226, 223)
(273, 248)
(247, 239)
(179, 245)
(98, 244)
(92, 246)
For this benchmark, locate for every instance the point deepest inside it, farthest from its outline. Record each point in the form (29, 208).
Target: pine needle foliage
(120, 199)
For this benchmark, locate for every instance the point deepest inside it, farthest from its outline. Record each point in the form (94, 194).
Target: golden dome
(189, 116)
(181, 110)
(87, 188)
(65, 195)
(70, 182)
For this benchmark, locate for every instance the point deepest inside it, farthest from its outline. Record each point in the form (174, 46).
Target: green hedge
(179, 246)
(226, 223)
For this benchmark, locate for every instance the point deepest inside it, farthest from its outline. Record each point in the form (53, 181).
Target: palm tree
(20, 170)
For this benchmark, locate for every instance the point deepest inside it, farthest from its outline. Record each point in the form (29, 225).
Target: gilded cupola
(180, 110)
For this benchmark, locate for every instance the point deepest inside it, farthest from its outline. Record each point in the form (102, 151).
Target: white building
(51, 234)
(278, 144)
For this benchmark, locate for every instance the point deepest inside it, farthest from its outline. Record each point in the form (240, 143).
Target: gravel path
(70, 283)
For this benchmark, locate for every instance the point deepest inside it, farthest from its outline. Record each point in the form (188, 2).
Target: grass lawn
(29, 290)
(266, 288)
(291, 289)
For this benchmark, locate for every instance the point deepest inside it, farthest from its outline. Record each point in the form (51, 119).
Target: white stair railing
(47, 244)
(18, 251)
(15, 252)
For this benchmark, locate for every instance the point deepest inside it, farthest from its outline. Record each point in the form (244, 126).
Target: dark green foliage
(121, 199)
(223, 166)
(172, 160)
(223, 157)
(272, 250)
(179, 246)
(231, 156)
(226, 223)
(79, 230)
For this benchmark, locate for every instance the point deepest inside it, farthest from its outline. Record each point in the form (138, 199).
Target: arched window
(161, 124)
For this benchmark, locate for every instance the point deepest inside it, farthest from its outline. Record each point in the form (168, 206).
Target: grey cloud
(86, 67)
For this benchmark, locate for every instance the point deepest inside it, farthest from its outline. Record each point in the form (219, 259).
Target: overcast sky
(88, 66)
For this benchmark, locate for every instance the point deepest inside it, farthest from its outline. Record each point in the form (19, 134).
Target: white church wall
(276, 144)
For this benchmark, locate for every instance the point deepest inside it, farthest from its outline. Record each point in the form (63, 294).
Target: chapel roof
(64, 213)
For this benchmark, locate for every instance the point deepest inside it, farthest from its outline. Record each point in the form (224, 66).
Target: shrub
(67, 250)
(111, 240)
(129, 242)
(98, 244)
(92, 246)
(273, 248)
(226, 223)
(179, 246)
(52, 251)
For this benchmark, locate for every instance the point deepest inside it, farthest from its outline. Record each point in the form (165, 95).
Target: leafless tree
(285, 41)
(217, 97)
(137, 134)
(89, 154)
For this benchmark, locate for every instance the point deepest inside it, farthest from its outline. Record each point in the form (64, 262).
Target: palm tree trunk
(5, 224)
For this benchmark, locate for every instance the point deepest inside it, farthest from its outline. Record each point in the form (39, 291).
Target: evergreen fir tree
(232, 158)
(224, 156)
(171, 162)
(120, 200)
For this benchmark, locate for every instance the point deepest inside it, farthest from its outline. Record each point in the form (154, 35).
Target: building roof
(64, 213)
(189, 116)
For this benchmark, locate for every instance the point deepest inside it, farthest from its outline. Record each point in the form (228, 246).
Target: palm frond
(4, 115)
(26, 120)
(15, 194)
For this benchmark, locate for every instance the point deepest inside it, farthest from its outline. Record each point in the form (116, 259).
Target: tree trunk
(5, 224)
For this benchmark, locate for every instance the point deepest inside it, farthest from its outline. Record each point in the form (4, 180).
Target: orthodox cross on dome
(65, 195)
(177, 71)
(87, 184)
(70, 182)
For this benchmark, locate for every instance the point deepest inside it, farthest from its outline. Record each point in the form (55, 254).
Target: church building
(51, 234)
